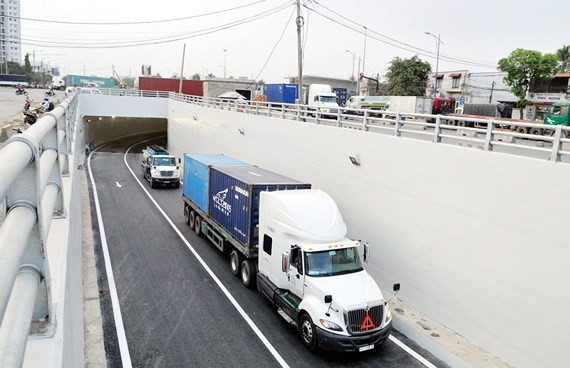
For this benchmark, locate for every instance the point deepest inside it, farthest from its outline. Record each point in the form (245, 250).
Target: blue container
(234, 199)
(280, 92)
(341, 95)
(197, 175)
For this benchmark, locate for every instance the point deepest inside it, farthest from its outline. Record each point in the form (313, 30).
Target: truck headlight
(154, 172)
(176, 172)
(388, 314)
(330, 325)
(325, 110)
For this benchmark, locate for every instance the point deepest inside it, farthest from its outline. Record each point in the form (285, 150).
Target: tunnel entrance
(101, 129)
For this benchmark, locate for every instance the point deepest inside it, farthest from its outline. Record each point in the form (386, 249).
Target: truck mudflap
(340, 343)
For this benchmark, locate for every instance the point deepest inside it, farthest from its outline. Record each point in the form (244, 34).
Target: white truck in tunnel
(160, 167)
(314, 274)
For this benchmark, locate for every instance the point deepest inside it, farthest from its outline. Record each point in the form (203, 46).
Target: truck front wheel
(235, 262)
(308, 332)
(248, 273)
(152, 183)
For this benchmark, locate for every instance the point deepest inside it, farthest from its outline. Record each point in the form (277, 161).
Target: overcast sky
(475, 34)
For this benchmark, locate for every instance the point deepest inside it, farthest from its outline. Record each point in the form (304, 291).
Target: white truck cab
(315, 275)
(322, 98)
(160, 167)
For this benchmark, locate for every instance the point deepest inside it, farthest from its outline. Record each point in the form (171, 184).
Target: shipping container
(189, 86)
(234, 199)
(86, 81)
(280, 92)
(197, 174)
(341, 95)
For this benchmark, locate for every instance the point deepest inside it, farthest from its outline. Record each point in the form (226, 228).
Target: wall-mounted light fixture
(241, 131)
(355, 160)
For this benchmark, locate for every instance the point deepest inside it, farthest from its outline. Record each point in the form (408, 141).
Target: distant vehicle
(69, 90)
(89, 91)
(322, 99)
(418, 105)
(57, 83)
(341, 95)
(281, 92)
(13, 80)
(374, 104)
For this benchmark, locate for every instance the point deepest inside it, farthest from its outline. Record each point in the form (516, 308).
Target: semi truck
(374, 104)
(419, 105)
(290, 241)
(160, 167)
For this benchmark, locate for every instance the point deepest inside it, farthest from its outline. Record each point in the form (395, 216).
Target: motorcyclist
(46, 104)
(27, 104)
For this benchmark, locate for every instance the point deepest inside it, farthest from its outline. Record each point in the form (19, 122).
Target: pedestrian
(46, 104)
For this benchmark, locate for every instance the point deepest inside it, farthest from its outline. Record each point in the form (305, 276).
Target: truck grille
(166, 173)
(360, 321)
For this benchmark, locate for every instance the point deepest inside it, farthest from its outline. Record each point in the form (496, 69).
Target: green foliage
(15, 68)
(563, 55)
(129, 82)
(196, 76)
(28, 68)
(407, 77)
(524, 67)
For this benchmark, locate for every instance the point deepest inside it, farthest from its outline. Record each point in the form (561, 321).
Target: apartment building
(10, 33)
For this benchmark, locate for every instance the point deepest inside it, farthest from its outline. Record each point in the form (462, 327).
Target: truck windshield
(557, 110)
(164, 161)
(327, 99)
(332, 262)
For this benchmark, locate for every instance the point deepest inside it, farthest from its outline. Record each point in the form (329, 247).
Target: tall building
(10, 34)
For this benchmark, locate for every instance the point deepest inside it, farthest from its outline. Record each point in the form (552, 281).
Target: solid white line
(121, 335)
(244, 315)
(409, 350)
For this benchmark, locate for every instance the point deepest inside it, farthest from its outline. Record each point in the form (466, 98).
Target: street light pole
(225, 52)
(438, 42)
(353, 59)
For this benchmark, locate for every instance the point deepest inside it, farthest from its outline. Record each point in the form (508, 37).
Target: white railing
(33, 164)
(535, 140)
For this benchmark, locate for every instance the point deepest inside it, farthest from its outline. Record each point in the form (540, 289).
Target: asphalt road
(174, 313)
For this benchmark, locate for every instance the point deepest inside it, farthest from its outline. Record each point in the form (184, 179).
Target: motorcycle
(30, 117)
(50, 93)
(21, 92)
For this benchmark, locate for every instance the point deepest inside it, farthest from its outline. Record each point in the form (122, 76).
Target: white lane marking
(409, 350)
(244, 315)
(121, 335)
(119, 185)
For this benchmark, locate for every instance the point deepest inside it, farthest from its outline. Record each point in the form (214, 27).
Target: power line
(135, 22)
(152, 41)
(396, 43)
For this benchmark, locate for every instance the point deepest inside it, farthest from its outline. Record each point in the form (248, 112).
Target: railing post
(556, 143)
(397, 132)
(338, 117)
(489, 136)
(298, 112)
(365, 120)
(437, 129)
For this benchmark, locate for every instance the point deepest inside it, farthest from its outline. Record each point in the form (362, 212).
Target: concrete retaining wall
(477, 239)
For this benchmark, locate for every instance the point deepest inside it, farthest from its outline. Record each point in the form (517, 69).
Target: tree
(129, 82)
(196, 76)
(28, 68)
(563, 55)
(407, 77)
(15, 68)
(211, 75)
(524, 67)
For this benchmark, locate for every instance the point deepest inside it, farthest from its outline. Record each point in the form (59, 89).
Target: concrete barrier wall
(477, 239)
(103, 105)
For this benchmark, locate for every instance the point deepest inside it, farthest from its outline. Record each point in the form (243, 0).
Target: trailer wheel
(248, 273)
(535, 131)
(308, 332)
(187, 214)
(192, 219)
(198, 225)
(235, 262)
(522, 130)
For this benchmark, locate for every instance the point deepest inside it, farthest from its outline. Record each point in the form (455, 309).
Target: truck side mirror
(285, 261)
(179, 161)
(328, 299)
(366, 252)
(396, 287)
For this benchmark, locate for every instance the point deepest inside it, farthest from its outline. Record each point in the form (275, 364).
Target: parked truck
(290, 241)
(281, 93)
(160, 167)
(418, 105)
(373, 104)
(557, 114)
(321, 98)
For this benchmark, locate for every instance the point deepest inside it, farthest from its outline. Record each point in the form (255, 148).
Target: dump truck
(290, 241)
(160, 167)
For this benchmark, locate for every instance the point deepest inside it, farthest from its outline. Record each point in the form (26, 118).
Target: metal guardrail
(33, 164)
(528, 139)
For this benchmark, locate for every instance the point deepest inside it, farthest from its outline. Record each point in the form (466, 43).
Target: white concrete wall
(477, 239)
(103, 105)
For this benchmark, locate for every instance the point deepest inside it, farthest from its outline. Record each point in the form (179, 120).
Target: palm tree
(563, 55)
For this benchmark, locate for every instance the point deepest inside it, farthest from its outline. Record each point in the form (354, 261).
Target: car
(89, 91)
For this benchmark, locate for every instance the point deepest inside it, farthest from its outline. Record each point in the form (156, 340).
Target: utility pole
(364, 53)
(182, 69)
(299, 22)
(492, 88)
(358, 81)
(225, 52)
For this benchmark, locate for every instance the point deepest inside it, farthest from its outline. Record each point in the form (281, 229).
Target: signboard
(462, 100)
(548, 98)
